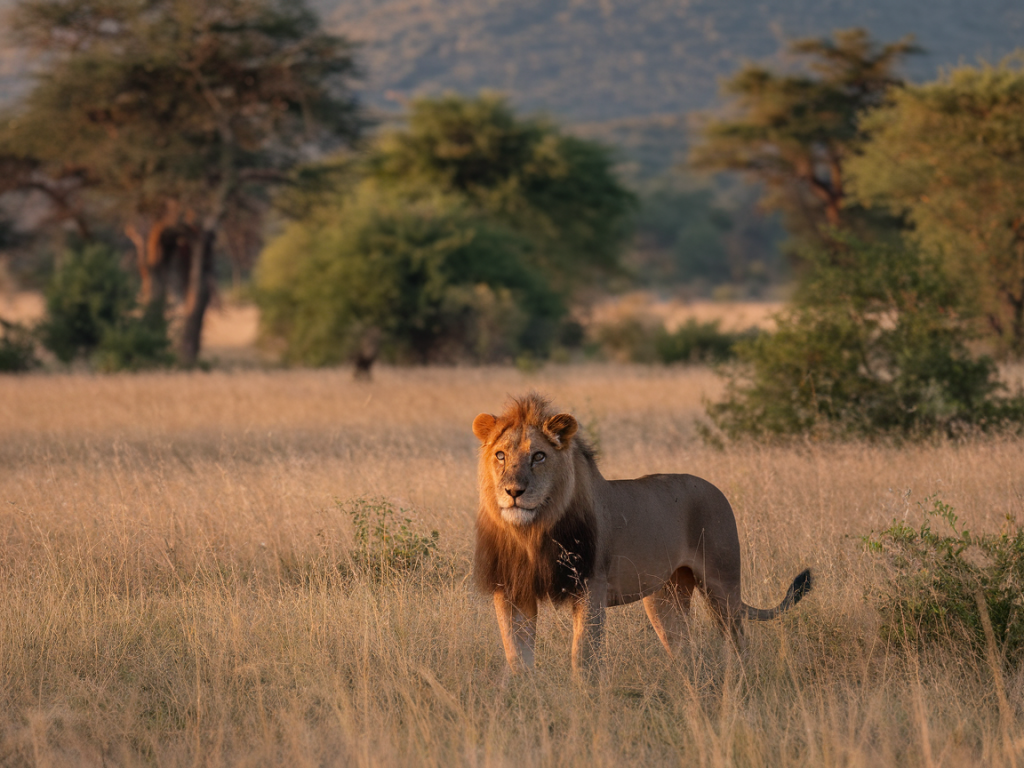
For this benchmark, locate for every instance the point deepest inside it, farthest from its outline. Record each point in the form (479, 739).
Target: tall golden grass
(176, 586)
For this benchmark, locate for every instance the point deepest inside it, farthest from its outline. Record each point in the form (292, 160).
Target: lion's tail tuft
(800, 587)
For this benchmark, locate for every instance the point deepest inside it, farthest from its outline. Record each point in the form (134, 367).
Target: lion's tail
(800, 587)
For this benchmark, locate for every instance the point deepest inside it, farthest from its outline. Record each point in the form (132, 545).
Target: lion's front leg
(518, 625)
(588, 627)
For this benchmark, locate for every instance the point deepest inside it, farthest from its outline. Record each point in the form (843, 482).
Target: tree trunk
(165, 242)
(197, 299)
(1017, 344)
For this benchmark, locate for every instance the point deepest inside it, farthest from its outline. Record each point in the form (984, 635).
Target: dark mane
(540, 561)
(552, 563)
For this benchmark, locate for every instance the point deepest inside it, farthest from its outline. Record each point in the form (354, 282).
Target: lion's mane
(553, 557)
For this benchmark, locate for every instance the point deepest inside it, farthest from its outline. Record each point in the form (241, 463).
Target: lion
(550, 526)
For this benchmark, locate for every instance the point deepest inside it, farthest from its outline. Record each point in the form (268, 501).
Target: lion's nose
(515, 491)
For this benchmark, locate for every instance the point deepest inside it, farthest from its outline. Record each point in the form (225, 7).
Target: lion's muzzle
(515, 491)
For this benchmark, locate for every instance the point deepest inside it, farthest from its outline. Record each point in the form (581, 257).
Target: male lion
(550, 526)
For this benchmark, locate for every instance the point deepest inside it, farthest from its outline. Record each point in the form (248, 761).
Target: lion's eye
(538, 457)
(500, 455)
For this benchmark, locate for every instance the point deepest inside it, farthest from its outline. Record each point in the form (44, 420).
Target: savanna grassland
(178, 588)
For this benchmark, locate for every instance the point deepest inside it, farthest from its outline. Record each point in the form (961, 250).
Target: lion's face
(527, 468)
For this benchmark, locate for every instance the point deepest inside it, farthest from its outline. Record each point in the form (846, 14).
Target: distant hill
(630, 71)
(627, 71)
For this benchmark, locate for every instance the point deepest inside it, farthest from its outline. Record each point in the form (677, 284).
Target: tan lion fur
(551, 527)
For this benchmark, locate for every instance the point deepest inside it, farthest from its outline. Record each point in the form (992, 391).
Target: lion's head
(527, 466)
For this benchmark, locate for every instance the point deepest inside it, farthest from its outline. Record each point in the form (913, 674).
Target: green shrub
(385, 542)
(875, 344)
(696, 342)
(628, 340)
(938, 573)
(636, 341)
(435, 281)
(17, 348)
(88, 294)
(91, 313)
(135, 343)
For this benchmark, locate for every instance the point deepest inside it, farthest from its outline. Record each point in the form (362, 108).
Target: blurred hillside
(630, 71)
(626, 71)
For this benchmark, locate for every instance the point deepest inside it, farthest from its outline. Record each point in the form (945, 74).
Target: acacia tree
(461, 237)
(949, 155)
(559, 190)
(173, 116)
(421, 280)
(795, 132)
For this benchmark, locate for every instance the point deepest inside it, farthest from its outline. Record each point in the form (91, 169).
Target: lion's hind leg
(727, 608)
(669, 609)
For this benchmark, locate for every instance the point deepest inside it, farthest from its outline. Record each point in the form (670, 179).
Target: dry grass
(21, 306)
(674, 313)
(177, 588)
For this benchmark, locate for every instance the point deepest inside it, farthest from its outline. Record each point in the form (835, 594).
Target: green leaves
(949, 156)
(385, 544)
(437, 280)
(874, 345)
(937, 572)
(795, 131)
(91, 313)
(461, 238)
(558, 190)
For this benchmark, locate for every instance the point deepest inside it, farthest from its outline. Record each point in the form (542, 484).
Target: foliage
(704, 234)
(873, 345)
(136, 341)
(556, 189)
(160, 114)
(91, 313)
(177, 101)
(949, 155)
(696, 342)
(437, 280)
(460, 238)
(938, 573)
(88, 294)
(17, 348)
(386, 543)
(691, 228)
(795, 132)
(643, 342)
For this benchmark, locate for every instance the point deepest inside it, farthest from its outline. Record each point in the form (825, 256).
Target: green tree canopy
(463, 236)
(949, 155)
(426, 280)
(173, 114)
(557, 189)
(794, 132)
(872, 345)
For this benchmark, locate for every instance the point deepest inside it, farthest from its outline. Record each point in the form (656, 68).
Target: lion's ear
(483, 426)
(560, 429)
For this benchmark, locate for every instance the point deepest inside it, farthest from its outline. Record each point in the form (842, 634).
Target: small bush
(697, 342)
(635, 341)
(386, 542)
(876, 344)
(17, 348)
(91, 313)
(135, 343)
(938, 572)
(88, 294)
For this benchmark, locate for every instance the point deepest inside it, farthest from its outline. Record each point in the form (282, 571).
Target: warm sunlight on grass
(178, 588)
